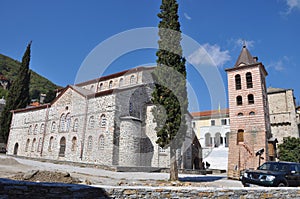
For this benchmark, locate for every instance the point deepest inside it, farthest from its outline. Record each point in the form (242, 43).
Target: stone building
(249, 114)
(284, 118)
(212, 129)
(105, 121)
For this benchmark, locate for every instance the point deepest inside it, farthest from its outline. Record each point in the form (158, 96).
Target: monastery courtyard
(11, 166)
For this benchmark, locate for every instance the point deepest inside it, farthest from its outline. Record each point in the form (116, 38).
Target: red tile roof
(210, 113)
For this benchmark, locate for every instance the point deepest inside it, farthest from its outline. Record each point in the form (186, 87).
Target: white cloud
(187, 16)
(280, 65)
(292, 5)
(209, 55)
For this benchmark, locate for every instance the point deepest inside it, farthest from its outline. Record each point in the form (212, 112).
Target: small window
(110, 85)
(212, 122)
(240, 136)
(53, 126)
(42, 128)
(62, 147)
(238, 85)
(27, 145)
(100, 87)
(240, 114)
(121, 82)
(102, 120)
(90, 143)
(101, 142)
(74, 143)
(62, 122)
(50, 143)
(75, 127)
(132, 79)
(252, 113)
(239, 100)
(91, 122)
(35, 131)
(249, 80)
(224, 122)
(68, 122)
(29, 130)
(250, 99)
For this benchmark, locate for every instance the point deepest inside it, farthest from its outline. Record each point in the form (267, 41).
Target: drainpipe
(84, 127)
(45, 129)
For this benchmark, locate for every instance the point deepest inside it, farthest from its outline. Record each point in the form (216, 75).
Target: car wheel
(281, 184)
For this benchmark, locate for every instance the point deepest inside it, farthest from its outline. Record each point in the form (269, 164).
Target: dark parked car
(273, 174)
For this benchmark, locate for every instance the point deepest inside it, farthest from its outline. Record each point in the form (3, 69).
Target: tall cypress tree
(18, 95)
(170, 95)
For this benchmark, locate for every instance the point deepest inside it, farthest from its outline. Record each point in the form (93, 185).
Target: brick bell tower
(249, 114)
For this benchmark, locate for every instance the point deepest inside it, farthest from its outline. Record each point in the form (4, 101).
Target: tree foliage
(18, 94)
(170, 95)
(289, 150)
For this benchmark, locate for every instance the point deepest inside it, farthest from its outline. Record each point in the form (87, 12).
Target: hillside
(38, 84)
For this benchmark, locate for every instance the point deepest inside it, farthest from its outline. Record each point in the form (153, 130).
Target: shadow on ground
(201, 179)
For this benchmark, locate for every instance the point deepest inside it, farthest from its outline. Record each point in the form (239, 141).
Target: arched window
(53, 126)
(27, 145)
(42, 128)
(101, 142)
(33, 145)
(91, 122)
(75, 127)
(132, 79)
(50, 144)
(249, 80)
(240, 114)
(208, 140)
(39, 145)
(68, 121)
(250, 99)
(252, 113)
(90, 143)
(121, 82)
(35, 129)
(240, 136)
(29, 130)
(218, 139)
(100, 87)
(62, 147)
(239, 100)
(238, 85)
(92, 88)
(110, 85)
(62, 122)
(102, 120)
(74, 143)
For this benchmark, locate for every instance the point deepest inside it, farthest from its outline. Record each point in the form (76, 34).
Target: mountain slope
(38, 84)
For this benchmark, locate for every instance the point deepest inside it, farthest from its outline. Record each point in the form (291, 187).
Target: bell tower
(249, 114)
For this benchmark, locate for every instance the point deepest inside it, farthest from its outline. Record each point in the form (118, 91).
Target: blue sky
(64, 32)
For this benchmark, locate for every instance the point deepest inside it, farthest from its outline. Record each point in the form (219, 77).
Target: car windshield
(273, 167)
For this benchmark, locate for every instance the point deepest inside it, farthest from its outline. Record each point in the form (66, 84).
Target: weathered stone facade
(106, 121)
(249, 114)
(283, 116)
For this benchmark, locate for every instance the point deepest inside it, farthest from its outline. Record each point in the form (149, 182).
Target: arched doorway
(218, 139)
(62, 147)
(16, 148)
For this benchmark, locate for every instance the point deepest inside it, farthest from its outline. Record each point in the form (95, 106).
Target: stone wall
(18, 189)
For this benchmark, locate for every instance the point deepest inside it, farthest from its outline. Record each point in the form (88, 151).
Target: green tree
(170, 95)
(18, 94)
(289, 150)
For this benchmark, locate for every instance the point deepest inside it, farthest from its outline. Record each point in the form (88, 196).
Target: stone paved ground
(11, 166)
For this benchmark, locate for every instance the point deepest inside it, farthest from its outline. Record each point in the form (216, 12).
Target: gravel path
(10, 166)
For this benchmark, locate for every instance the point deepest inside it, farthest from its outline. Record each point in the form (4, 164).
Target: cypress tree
(170, 95)
(18, 94)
